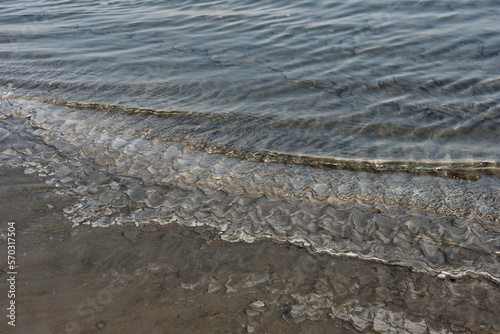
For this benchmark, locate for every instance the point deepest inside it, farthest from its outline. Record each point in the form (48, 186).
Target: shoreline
(121, 234)
(173, 279)
(426, 223)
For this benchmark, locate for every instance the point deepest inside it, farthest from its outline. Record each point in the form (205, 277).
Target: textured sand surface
(176, 279)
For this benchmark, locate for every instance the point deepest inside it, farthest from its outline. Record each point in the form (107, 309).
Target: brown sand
(175, 279)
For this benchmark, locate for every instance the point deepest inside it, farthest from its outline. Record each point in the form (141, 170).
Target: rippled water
(352, 127)
(411, 81)
(358, 128)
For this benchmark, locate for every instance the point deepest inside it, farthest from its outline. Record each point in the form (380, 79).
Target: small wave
(195, 125)
(431, 224)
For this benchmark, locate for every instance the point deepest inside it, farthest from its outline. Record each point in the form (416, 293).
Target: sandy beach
(176, 279)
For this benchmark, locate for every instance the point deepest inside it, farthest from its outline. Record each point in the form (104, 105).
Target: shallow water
(352, 128)
(185, 279)
(113, 186)
(430, 223)
(372, 122)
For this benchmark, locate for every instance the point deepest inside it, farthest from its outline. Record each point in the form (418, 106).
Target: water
(359, 80)
(358, 128)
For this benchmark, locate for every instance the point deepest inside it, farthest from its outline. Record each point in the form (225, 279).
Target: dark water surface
(363, 80)
(354, 128)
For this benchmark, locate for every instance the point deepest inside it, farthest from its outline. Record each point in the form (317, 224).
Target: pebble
(100, 324)
(257, 305)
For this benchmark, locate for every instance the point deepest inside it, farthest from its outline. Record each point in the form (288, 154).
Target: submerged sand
(177, 279)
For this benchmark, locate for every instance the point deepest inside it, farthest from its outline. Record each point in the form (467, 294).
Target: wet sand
(177, 279)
